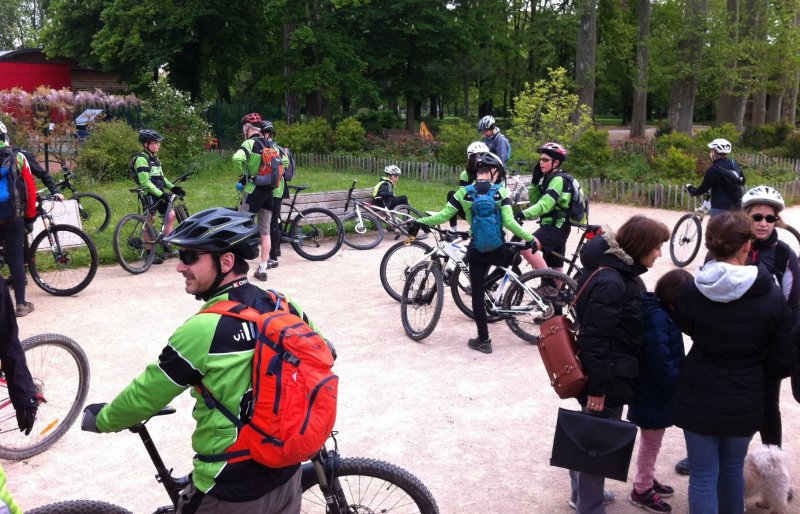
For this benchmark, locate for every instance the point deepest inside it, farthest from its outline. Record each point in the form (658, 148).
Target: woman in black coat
(740, 325)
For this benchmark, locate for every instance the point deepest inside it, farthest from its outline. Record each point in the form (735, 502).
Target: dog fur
(766, 477)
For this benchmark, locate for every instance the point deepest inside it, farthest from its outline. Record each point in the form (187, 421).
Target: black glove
(538, 174)
(26, 415)
(89, 422)
(29, 225)
(179, 191)
(519, 216)
(691, 189)
(413, 227)
(532, 245)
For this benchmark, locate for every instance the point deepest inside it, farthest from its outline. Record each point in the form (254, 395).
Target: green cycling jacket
(550, 201)
(150, 175)
(250, 161)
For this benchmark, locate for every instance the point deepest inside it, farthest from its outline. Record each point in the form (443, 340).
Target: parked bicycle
(136, 241)
(363, 226)
(60, 373)
(331, 484)
(93, 209)
(61, 259)
(315, 233)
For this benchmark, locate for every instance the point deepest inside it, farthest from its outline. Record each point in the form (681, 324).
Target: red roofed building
(28, 69)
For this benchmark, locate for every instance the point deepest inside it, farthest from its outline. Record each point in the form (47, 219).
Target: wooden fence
(366, 164)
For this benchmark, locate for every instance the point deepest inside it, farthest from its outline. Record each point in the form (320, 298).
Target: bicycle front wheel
(94, 211)
(542, 294)
(790, 236)
(79, 507)
(60, 373)
(369, 485)
(405, 213)
(62, 260)
(362, 233)
(421, 304)
(685, 240)
(396, 262)
(461, 290)
(316, 234)
(133, 243)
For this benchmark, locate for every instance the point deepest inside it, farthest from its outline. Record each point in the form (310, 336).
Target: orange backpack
(270, 171)
(294, 390)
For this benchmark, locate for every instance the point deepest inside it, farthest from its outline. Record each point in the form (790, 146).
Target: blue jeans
(716, 473)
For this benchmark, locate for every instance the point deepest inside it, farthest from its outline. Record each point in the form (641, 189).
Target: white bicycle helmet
(4, 132)
(720, 145)
(392, 170)
(477, 147)
(763, 195)
(486, 123)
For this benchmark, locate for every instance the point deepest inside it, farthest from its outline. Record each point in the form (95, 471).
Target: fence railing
(368, 164)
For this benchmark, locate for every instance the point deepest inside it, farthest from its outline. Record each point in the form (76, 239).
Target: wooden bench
(331, 200)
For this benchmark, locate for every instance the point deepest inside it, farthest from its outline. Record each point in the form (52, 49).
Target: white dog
(766, 476)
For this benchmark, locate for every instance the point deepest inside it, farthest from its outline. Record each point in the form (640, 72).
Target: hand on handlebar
(519, 216)
(690, 188)
(89, 421)
(179, 191)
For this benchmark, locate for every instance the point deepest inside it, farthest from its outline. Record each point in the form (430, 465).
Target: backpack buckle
(290, 358)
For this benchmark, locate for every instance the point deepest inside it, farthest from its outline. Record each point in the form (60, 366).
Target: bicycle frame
(384, 214)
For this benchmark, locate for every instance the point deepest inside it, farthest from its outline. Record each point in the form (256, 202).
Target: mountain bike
(93, 209)
(331, 484)
(363, 227)
(684, 243)
(61, 259)
(60, 373)
(135, 239)
(315, 233)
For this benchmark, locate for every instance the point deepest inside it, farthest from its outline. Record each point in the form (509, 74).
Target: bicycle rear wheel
(60, 373)
(363, 233)
(537, 300)
(79, 507)
(62, 260)
(462, 293)
(133, 245)
(94, 211)
(790, 236)
(423, 297)
(685, 240)
(370, 485)
(406, 212)
(316, 234)
(396, 262)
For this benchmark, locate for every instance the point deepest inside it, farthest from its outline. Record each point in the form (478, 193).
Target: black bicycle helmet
(267, 127)
(218, 230)
(490, 160)
(149, 136)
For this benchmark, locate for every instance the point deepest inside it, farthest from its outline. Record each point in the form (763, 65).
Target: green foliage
(544, 112)
(349, 136)
(17, 133)
(766, 136)
(106, 153)
(791, 147)
(769, 174)
(725, 131)
(590, 153)
(375, 121)
(313, 136)
(675, 165)
(675, 140)
(455, 137)
(409, 146)
(180, 121)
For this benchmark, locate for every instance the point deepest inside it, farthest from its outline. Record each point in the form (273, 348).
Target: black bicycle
(315, 233)
(93, 209)
(331, 485)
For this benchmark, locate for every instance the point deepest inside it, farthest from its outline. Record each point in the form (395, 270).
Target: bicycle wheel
(60, 373)
(181, 212)
(63, 260)
(685, 241)
(316, 234)
(536, 301)
(131, 247)
(79, 507)
(462, 293)
(423, 297)
(364, 233)
(370, 485)
(790, 236)
(94, 211)
(406, 213)
(396, 262)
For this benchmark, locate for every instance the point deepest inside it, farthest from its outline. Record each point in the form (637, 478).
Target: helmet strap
(209, 293)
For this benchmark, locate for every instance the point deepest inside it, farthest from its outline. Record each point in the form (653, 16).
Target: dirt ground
(476, 429)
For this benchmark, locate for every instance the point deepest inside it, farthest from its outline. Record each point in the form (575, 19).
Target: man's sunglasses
(769, 217)
(189, 256)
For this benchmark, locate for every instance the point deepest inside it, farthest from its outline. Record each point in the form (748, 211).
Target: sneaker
(682, 467)
(278, 252)
(23, 309)
(483, 346)
(546, 291)
(272, 264)
(608, 498)
(260, 274)
(662, 490)
(649, 501)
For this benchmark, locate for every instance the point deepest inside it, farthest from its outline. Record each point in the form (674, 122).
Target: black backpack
(13, 190)
(132, 173)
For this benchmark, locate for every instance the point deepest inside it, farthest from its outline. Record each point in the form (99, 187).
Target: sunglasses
(189, 256)
(769, 218)
(545, 159)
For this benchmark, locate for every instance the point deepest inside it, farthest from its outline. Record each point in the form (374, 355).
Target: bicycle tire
(94, 211)
(53, 360)
(396, 262)
(371, 485)
(461, 290)
(316, 234)
(130, 247)
(409, 211)
(79, 507)
(364, 234)
(791, 236)
(181, 212)
(422, 301)
(686, 237)
(67, 266)
(525, 324)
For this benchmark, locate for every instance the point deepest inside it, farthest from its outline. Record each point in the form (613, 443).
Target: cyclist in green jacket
(383, 192)
(215, 246)
(278, 195)
(466, 177)
(489, 170)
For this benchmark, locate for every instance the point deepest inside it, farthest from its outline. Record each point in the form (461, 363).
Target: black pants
(392, 203)
(13, 236)
(275, 228)
(479, 264)
(771, 428)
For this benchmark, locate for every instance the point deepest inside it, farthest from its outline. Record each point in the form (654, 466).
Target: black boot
(482, 345)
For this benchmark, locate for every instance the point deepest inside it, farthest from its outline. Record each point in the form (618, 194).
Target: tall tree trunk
(690, 49)
(291, 98)
(639, 115)
(775, 100)
(732, 100)
(790, 101)
(758, 114)
(586, 52)
(465, 91)
(410, 104)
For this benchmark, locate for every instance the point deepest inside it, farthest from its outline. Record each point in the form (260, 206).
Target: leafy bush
(725, 131)
(106, 153)
(349, 136)
(17, 132)
(766, 136)
(590, 153)
(675, 140)
(314, 136)
(791, 147)
(675, 165)
(768, 174)
(375, 121)
(454, 139)
(403, 145)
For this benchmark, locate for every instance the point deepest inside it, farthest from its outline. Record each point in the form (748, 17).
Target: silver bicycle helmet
(477, 147)
(392, 170)
(720, 145)
(486, 123)
(763, 195)
(218, 230)
(3, 132)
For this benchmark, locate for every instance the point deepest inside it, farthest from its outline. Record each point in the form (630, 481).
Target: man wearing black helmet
(215, 246)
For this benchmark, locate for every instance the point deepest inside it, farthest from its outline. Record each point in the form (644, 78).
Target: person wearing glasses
(215, 245)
